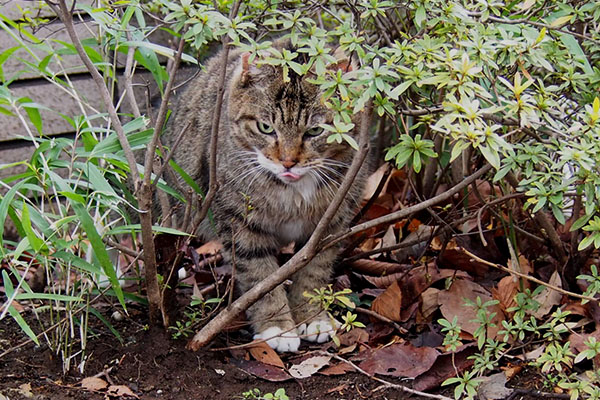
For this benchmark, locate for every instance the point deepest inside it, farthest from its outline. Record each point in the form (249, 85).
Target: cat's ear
(247, 70)
(343, 61)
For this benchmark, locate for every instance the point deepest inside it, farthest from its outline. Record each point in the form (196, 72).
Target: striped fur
(262, 206)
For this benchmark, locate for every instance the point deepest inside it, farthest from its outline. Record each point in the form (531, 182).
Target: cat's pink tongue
(290, 176)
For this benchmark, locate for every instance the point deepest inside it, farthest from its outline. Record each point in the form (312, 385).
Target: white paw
(319, 330)
(279, 340)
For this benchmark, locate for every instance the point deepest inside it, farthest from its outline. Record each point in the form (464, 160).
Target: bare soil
(154, 366)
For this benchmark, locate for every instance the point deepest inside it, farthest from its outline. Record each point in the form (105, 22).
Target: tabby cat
(277, 175)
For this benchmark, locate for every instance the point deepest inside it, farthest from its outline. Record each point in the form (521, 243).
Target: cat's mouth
(289, 176)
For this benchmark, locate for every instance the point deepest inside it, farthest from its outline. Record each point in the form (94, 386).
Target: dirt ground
(151, 365)
(154, 366)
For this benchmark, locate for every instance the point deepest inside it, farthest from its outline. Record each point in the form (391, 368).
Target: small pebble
(117, 316)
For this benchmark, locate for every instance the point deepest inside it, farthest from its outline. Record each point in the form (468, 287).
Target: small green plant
(255, 394)
(198, 310)
(466, 387)
(328, 300)
(594, 283)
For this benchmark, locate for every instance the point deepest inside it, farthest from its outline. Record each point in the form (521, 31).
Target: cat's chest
(293, 231)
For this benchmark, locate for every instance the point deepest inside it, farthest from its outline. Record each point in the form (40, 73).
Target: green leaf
(106, 322)
(574, 48)
(33, 112)
(77, 262)
(420, 16)
(23, 324)
(4, 206)
(585, 242)
(35, 242)
(581, 221)
(94, 237)
(111, 144)
(401, 88)
(47, 296)
(137, 227)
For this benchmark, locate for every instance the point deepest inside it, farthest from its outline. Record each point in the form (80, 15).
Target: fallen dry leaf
(389, 238)
(93, 383)
(309, 366)
(356, 335)
(384, 281)
(452, 304)
(373, 182)
(454, 256)
(506, 291)
(25, 390)
(446, 365)
(548, 298)
(210, 248)
(264, 353)
(261, 370)
(493, 387)
(419, 279)
(577, 343)
(512, 370)
(120, 391)
(337, 369)
(422, 233)
(377, 268)
(389, 303)
(429, 303)
(524, 266)
(399, 360)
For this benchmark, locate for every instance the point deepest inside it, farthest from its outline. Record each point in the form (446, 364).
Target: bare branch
(213, 185)
(395, 216)
(530, 278)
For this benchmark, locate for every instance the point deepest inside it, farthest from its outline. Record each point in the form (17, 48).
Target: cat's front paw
(320, 330)
(279, 340)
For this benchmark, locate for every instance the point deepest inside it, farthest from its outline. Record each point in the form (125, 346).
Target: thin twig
(386, 384)
(121, 248)
(486, 205)
(302, 257)
(380, 317)
(395, 216)
(146, 199)
(128, 73)
(213, 184)
(165, 162)
(529, 278)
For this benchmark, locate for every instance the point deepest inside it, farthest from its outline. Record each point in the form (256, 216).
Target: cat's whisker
(334, 163)
(260, 169)
(332, 170)
(325, 180)
(254, 169)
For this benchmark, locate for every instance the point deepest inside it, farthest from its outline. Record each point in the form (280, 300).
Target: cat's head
(275, 124)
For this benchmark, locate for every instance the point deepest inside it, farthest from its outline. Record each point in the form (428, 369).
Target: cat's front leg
(314, 323)
(270, 316)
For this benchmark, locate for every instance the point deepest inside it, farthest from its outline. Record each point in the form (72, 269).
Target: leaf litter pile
(406, 285)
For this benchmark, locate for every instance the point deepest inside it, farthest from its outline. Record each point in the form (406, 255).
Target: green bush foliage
(459, 84)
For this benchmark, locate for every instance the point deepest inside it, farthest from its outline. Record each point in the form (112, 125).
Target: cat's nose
(288, 162)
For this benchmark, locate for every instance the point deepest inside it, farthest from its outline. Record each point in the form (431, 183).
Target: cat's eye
(265, 128)
(316, 131)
